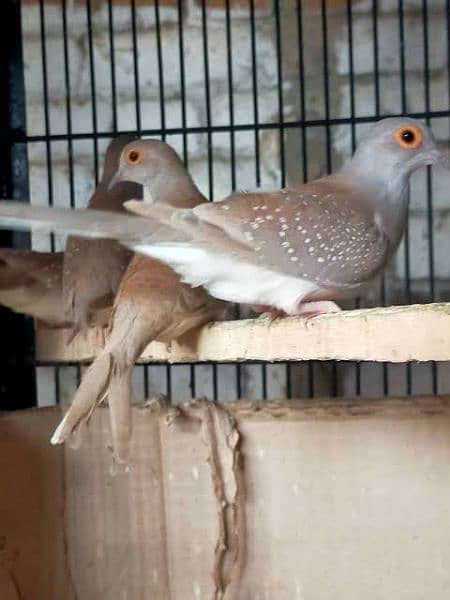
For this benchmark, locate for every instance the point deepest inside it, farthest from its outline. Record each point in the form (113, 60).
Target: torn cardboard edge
(220, 435)
(419, 332)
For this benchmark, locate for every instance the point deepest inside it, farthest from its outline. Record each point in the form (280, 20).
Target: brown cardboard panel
(32, 547)
(115, 520)
(295, 500)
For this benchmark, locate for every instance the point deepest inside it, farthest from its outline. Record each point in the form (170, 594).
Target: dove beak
(440, 157)
(444, 160)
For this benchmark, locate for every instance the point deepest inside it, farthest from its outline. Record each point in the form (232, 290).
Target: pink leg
(314, 309)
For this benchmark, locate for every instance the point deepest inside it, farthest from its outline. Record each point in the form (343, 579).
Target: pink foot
(310, 310)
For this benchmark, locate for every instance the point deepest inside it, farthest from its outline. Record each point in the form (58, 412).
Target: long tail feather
(88, 224)
(92, 391)
(119, 401)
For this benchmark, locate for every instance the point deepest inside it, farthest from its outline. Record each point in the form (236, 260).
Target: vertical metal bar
(162, 112)
(192, 384)
(353, 141)
(301, 75)
(281, 135)
(326, 89)
(160, 70)
(93, 86)
(376, 73)
(137, 95)
(17, 374)
(112, 65)
(137, 105)
(209, 133)
(256, 134)
(430, 212)
(182, 81)
(401, 25)
(232, 145)
(48, 149)
(68, 120)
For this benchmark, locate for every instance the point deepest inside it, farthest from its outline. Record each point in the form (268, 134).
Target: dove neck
(175, 188)
(385, 189)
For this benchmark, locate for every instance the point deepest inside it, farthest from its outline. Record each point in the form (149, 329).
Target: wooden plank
(394, 334)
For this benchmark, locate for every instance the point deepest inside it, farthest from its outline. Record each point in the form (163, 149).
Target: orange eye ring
(133, 157)
(409, 137)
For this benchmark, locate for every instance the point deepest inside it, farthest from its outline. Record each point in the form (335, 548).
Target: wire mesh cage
(251, 93)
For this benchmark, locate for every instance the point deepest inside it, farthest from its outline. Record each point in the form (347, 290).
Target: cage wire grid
(296, 137)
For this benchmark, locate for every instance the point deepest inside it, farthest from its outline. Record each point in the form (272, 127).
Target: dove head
(394, 148)
(112, 155)
(156, 165)
(382, 164)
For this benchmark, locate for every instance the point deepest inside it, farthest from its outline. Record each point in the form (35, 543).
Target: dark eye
(409, 137)
(133, 156)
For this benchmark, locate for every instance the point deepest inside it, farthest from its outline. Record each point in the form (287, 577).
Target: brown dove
(298, 250)
(151, 304)
(93, 268)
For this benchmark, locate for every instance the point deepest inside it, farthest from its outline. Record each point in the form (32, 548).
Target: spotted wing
(329, 237)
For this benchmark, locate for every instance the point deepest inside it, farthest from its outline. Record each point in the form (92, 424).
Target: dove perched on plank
(151, 304)
(297, 250)
(93, 268)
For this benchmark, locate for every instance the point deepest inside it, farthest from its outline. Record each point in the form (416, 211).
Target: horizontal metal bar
(19, 136)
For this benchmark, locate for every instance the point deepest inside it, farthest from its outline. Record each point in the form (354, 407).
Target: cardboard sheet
(301, 500)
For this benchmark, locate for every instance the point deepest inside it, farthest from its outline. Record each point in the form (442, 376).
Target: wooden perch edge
(418, 332)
